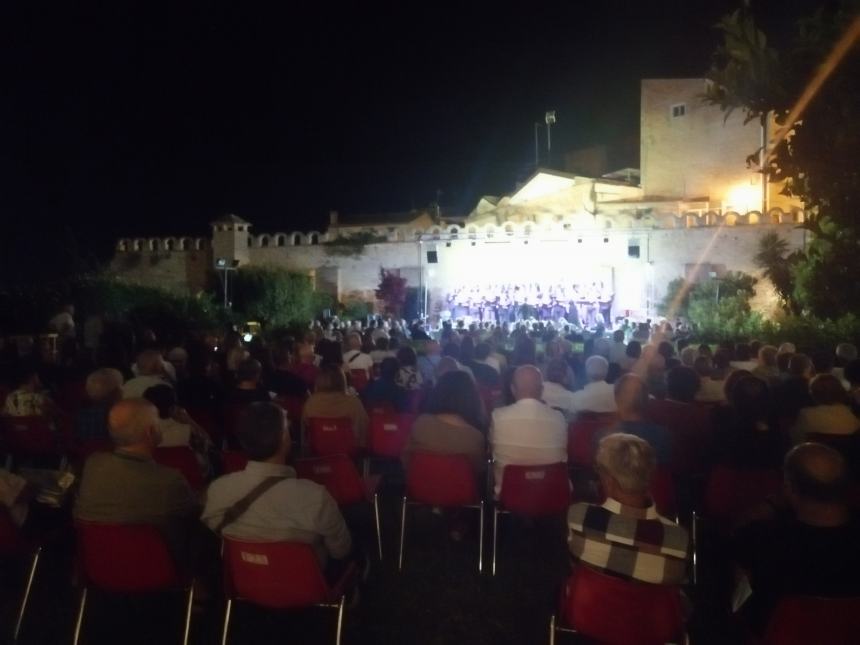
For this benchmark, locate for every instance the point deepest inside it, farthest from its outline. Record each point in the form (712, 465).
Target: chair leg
(552, 630)
(23, 608)
(694, 538)
(495, 535)
(481, 537)
(378, 525)
(339, 629)
(79, 621)
(188, 606)
(226, 626)
(402, 532)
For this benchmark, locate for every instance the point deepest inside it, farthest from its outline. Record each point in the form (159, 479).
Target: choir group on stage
(582, 305)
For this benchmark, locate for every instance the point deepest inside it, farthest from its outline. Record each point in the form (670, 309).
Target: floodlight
(549, 117)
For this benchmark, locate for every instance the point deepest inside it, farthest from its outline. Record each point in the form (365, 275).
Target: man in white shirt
(355, 359)
(529, 432)
(295, 510)
(618, 350)
(150, 372)
(597, 395)
(555, 392)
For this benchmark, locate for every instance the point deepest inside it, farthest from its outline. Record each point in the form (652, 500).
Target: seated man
(831, 413)
(128, 487)
(631, 397)
(529, 432)
(355, 359)
(28, 399)
(104, 388)
(248, 388)
(282, 380)
(597, 395)
(808, 548)
(150, 372)
(687, 424)
(625, 536)
(289, 509)
(555, 392)
(384, 392)
(178, 429)
(485, 374)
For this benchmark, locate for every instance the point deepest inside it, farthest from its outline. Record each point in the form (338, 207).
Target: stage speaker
(432, 257)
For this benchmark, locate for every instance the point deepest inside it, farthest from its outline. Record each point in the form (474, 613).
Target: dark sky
(140, 118)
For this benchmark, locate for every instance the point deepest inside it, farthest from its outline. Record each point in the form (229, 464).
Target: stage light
(247, 338)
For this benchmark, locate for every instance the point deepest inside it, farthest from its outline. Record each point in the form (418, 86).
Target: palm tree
(776, 262)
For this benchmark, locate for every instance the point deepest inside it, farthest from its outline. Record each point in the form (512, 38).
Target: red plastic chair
(181, 458)
(619, 612)
(531, 491)
(207, 419)
(730, 492)
(293, 406)
(359, 380)
(127, 558)
(331, 436)
(447, 481)
(31, 437)
(342, 480)
(389, 433)
(582, 437)
(233, 461)
(72, 396)
(663, 493)
(278, 575)
(799, 620)
(13, 545)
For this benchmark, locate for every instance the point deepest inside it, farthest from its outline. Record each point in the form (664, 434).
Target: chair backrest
(277, 575)
(181, 458)
(207, 419)
(536, 491)
(620, 612)
(663, 492)
(233, 461)
(389, 433)
(337, 473)
(414, 400)
(125, 557)
(358, 379)
(72, 396)
(581, 434)
(331, 436)
(729, 492)
(11, 540)
(29, 436)
(441, 480)
(799, 620)
(293, 405)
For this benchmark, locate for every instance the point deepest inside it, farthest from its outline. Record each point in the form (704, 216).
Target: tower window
(679, 110)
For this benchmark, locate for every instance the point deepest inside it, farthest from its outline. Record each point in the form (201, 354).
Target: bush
(276, 297)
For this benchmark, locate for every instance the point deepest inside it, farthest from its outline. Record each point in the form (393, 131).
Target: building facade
(696, 211)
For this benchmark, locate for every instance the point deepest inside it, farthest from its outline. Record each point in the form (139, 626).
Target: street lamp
(549, 118)
(225, 265)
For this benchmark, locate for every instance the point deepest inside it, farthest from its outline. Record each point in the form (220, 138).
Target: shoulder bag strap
(238, 509)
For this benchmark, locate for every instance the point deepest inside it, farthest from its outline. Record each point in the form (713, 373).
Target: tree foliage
(274, 296)
(778, 265)
(392, 291)
(817, 161)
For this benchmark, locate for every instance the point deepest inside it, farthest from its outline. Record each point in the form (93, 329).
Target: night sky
(140, 118)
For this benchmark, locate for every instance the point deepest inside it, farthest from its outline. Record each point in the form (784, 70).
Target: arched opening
(315, 239)
(154, 245)
(453, 231)
(509, 230)
(281, 240)
(264, 241)
(138, 245)
(297, 239)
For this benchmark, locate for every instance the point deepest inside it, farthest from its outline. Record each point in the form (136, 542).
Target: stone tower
(230, 239)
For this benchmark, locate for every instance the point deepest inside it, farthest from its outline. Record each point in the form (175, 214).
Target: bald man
(150, 370)
(808, 547)
(529, 432)
(127, 486)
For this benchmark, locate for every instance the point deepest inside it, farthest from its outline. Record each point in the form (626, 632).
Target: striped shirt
(631, 543)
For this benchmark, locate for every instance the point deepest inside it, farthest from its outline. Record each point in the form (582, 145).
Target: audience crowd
(657, 420)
